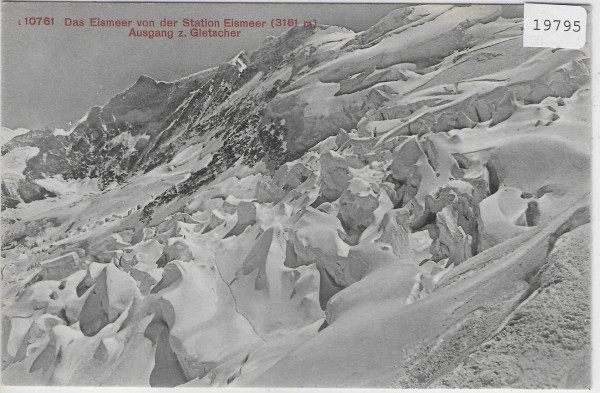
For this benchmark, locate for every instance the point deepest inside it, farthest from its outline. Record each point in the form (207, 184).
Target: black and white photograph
(296, 195)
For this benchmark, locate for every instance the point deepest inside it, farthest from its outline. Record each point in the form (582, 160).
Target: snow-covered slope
(8, 134)
(400, 207)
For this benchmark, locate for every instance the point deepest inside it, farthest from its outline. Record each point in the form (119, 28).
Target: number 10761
(556, 25)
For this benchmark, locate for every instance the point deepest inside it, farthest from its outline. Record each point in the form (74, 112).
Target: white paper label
(554, 26)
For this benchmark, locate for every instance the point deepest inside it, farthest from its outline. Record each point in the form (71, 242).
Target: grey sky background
(53, 75)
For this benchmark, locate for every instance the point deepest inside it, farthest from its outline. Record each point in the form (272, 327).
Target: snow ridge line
(473, 347)
(579, 217)
(235, 306)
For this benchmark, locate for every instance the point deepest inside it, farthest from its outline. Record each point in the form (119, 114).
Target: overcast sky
(53, 75)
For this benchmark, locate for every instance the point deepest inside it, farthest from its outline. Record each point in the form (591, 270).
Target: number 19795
(557, 24)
